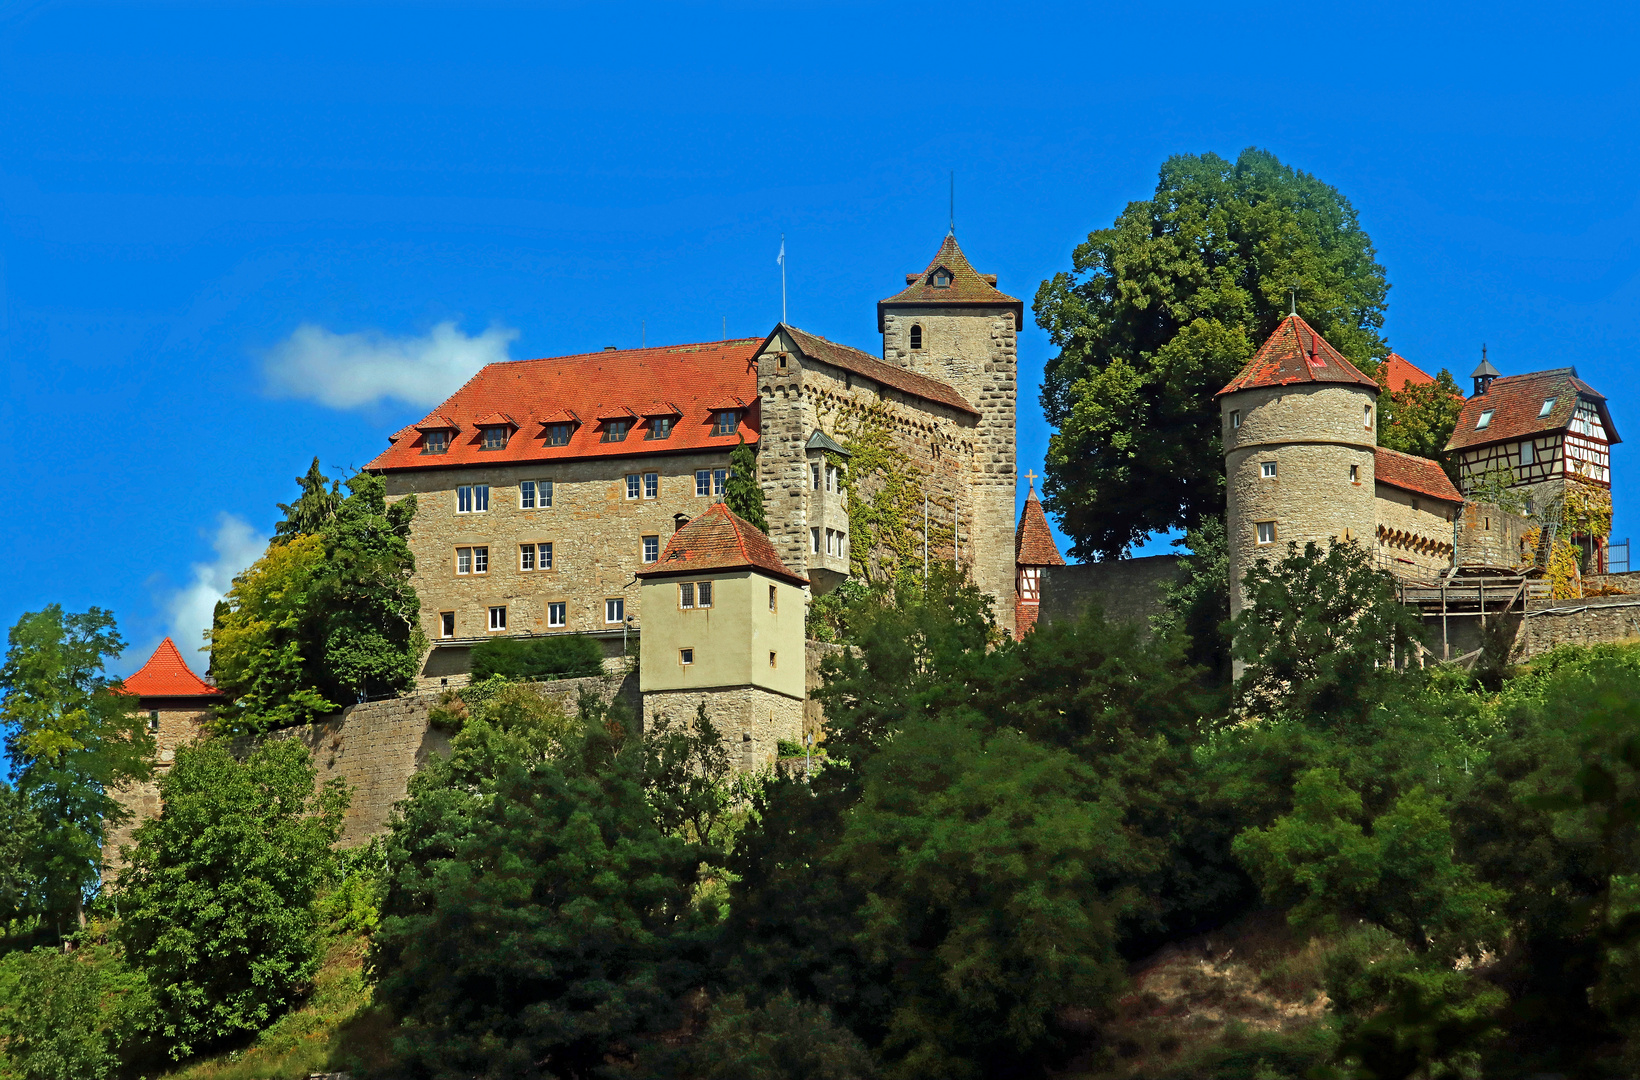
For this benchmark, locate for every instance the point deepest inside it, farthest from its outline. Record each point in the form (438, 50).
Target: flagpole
(782, 277)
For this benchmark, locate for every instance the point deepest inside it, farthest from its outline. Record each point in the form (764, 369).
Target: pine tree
(744, 495)
(313, 509)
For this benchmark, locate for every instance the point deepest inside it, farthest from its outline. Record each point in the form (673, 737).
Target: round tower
(1300, 431)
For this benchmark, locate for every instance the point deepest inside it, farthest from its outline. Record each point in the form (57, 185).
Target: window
(727, 421)
(153, 719)
(771, 659)
(615, 430)
(1526, 453)
(834, 478)
(1366, 417)
(651, 548)
(1486, 418)
(481, 560)
(534, 493)
(814, 475)
(555, 615)
(558, 434)
(703, 594)
(614, 610)
(435, 442)
(651, 485)
(633, 480)
(1267, 470)
(686, 657)
(446, 624)
(535, 556)
(1548, 407)
(498, 617)
(1266, 532)
(686, 594)
(1355, 474)
(526, 556)
(660, 427)
(1235, 419)
(472, 498)
(916, 337)
(831, 541)
(814, 541)
(942, 279)
(703, 482)
(720, 481)
(773, 596)
(472, 560)
(495, 438)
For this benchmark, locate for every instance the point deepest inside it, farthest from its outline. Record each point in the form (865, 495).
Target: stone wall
(1579, 622)
(173, 724)
(1414, 534)
(814, 717)
(751, 719)
(1488, 536)
(1127, 590)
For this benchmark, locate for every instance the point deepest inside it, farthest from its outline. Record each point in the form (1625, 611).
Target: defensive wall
(1127, 590)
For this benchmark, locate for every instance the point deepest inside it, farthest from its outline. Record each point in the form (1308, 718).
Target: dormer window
(916, 337)
(942, 278)
(1485, 420)
(436, 442)
(726, 422)
(615, 430)
(558, 434)
(1548, 407)
(495, 438)
(660, 427)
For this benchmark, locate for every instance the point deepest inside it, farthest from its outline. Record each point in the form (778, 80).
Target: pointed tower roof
(166, 674)
(1400, 373)
(718, 539)
(1293, 355)
(965, 287)
(1033, 540)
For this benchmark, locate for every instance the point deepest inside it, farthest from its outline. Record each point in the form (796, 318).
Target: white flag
(782, 258)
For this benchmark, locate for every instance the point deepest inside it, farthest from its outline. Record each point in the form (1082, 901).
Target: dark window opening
(660, 427)
(435, 442)
(558, 434)
(916, 337)
(615, 430)
(495, 438)
(942, 279)
(727, 421)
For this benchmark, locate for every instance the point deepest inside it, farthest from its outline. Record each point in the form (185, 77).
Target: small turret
(1484, 374)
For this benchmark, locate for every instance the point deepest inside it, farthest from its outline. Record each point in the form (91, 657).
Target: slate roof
(968, 286)
(674, 379)
(1420, 476)
(1033, 540)
(863, 363)
(717, 539)
(1295, 354)
(1516, 400)
(166, 674)
(1399, 373)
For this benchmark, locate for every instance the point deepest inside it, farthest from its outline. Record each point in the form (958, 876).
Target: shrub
(64, 1015)
(567, 656)
(784, 1039)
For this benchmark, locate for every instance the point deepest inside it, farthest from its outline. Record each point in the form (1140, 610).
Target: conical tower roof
(719, 539)
(1033, 540)
(966, 286)
(1293, 355)
(167, 674)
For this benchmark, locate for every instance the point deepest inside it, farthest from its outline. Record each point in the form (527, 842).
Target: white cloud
(345, 371)
(188, 610)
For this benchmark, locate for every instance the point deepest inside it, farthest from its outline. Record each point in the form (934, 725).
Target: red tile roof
(1296, 354)
(166, 674)
(1415, 474)
(863, 363)
(967, 286)
(1398, 373)
(1516, 400)
(630, 382)
(1033, 540)
(716, 539)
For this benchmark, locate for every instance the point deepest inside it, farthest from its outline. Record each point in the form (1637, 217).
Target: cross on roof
(1031, 476)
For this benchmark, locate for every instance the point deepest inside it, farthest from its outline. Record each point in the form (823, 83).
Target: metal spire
(953, 231)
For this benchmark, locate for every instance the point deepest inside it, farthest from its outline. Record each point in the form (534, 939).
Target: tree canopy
(742, 493)
(1159, 312)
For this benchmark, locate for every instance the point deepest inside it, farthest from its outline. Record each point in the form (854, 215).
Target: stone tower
(952, 324)
(1299, 430)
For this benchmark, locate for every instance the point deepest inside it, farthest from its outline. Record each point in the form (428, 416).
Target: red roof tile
(1033, 540)
(863, 363)
(496, 419)
(1296, 354)
(166, 674)
(1409, 473)
(967, 286)
(562, 389)
(1398, 373)
(1516, 400)
(716, 539)
(437, 422)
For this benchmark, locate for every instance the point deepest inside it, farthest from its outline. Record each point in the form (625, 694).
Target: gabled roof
(1033, 540)
(496, 419)
(436, 421)
(571, 389)
(863, 363)
(1295, 354)
(1398, 373)
(716, 539)
(1516, 400)
(1420, 476)
(967, 286)
(166, 674)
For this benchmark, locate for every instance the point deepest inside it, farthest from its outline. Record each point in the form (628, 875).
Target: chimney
(679, 521)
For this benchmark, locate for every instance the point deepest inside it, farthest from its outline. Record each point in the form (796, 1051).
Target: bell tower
(951, 323)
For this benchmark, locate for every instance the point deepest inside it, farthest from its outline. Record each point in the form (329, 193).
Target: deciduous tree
(743, 494)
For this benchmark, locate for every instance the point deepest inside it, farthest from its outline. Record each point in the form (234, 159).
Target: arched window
(916, 337)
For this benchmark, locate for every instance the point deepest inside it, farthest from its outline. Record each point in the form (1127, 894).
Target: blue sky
(187, 190)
